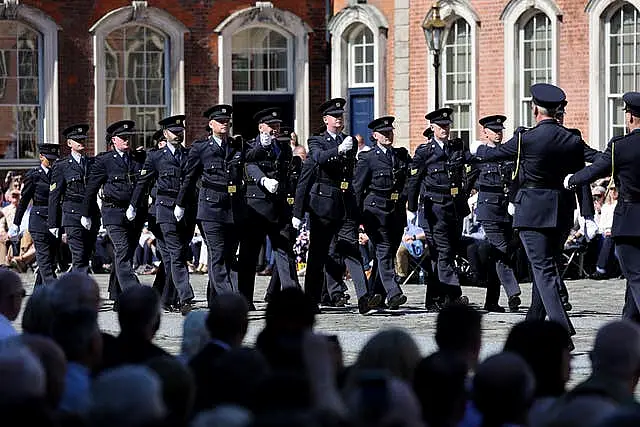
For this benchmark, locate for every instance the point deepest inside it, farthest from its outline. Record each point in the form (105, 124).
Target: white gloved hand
(271, 185)
(85, 221)
(345, 145)
(411, 217)
(296, 223)
(511, 209)
(590, 229)
(265, 139)
(178, 212)
(473, 147)
(55, 232)
(566, 181)
(14, 230)
(131, 213)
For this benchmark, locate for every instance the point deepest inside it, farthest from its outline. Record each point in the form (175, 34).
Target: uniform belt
(491, 189)
(75, 199)
(439, 190)
(40, 204)
(331, 182)
(168, 193)
(112, 203)
(216, 187)
(387, 194)
(540, 186)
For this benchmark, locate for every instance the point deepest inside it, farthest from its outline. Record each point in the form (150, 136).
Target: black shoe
(432, 306)
(461, 300)
(186, 307)
(514, 303)
(396, 301)
(598, 276)
(267, 298)
(316, 309)
(169, 308)
(567, 306)
(494, 308)
(116, 306)
(338, 301)
(368, 303)
(346, 296)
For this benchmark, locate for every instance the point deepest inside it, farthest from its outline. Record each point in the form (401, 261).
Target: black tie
(125, 157)
(82, 163)
(178, 155)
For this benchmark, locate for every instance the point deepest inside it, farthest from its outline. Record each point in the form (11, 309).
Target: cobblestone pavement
(594, 303)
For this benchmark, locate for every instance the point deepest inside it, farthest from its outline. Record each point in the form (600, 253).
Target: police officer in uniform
(36, 189)
(379, 183)
(493, 184)
(117, 172)
(437, 176)
(219, 162)
(332, 207)
(543, 208)
(67, 189)
(268, 161)
(621, 159)
(163, 167)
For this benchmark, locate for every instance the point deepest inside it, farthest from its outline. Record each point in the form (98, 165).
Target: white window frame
(47, 75)
(290, 64)
(160, 21)
(357, 39)
(515, 14)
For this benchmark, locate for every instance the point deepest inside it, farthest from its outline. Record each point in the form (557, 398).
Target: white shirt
(121, 153)
(606, 216)
(171, 148)
(77, 157)
(6, 328)
(440, 143)
(333, 135)
(45, 169)
(216, 139)
(382, 148)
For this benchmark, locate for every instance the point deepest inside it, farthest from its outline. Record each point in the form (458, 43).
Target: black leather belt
(216, 187)
(446, 191)
(492, 189)
(75, 199)
(168, 193)
(540, 186)
(112, 203)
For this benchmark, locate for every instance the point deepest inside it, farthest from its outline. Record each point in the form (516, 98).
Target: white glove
(345, 145)
(411, 216)
(296, 223)
(54, 231)
(131, 213)
(178, 212)
(86, 222)
(14, 230)
(271, 185)
(473, 147)
(511, 209)
(590, 229)
(265, 139)
(566, 181)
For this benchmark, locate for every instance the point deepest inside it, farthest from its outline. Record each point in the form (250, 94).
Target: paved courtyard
(594, 302)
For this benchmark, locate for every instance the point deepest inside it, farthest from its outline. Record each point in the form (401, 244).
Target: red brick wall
(201, 17)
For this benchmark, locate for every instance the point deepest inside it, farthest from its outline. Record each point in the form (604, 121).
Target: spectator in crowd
(11, 295)
(6, 219)
(224, 416)
(26, 253)
(459, 332)
(296, 148)
(605, 264)
(362, 145)
(178, 388)
(195, 335)
(37, 317)
(412, 246)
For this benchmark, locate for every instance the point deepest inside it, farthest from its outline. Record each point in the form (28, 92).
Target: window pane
(259, 59)
(368, 36)
(369, 54)
(369, 73)
(627, 48)
(240, 80)
(357, 54)
(358, 74)
(457, 63)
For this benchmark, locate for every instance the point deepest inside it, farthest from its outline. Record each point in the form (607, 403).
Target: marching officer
(268, 162)
(543, 208)
(219, 162)
(620, 160)
(437, 176)
(117, 172)
(493, 184)
(163, 167)
(379, 183)
(36, 189)
(332, 209)
(67, 189)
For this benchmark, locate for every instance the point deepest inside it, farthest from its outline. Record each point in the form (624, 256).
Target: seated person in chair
(412, 247)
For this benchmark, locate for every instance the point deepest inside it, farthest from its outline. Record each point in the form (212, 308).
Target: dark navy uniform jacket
(303, 187)
(379, 185)
(493, 184)
(548, 152)
(439, 176)
(118, 180)
(221, 169)
(625, 151)
(36, 189)
(272, 162)
(331, 195)
(67, 190)
(163, 173)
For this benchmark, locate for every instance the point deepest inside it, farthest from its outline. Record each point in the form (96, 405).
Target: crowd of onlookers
(62, 370)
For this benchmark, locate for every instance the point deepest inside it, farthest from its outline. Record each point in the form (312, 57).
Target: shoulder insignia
(414, 171)
(52, 187)
(467, 168)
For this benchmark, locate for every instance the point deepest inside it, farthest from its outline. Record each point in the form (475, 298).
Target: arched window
(535, 60)
(361, 58)
(136, 69)
(622, 49)
(458, 77)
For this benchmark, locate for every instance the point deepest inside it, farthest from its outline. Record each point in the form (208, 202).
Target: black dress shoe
(368, 303)
(186, 307)
(168, 308)
(599, 276)
(514, 303)
(338, 301)
(494, 308)
(396, 301)
(432, 306)
(252, 307)
(461, 300)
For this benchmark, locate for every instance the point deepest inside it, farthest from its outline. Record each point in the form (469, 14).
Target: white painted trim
(284, 22)
(598, 120)
(340, 27)
(152, 17)
(516, 13)
(450, 12)
(47, 27)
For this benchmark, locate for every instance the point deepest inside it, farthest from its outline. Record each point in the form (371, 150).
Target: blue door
(360, 112)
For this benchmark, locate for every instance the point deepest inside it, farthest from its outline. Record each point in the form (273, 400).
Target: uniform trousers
(541, 246)
(125, 241)
(628, 250)
(222, 243)
(322, 232)
(174, 250)
(386, 240)
(82, 244)
(46, 246)
(255, 229)
(499, 235)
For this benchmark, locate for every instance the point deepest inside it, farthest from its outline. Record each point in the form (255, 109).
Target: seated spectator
(615, 365)
(38, 314)
(606, 264)
(8, 213)
(459, 332)
(544, 345)
(12, 294)
(146, 259)
(27, 253)
(412, 246)
(178, 388)
(503, 388)
(195, 335)
(128, 396)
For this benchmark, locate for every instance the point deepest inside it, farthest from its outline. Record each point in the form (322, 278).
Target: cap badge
(338, 104)
(79, 130)
(499, 120)
(224, 110)
(274, 114)
(125, 126)
(386, 122)
(444, 114)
